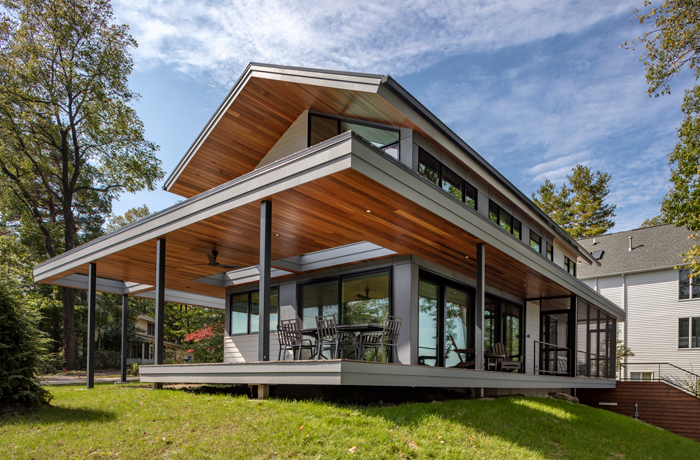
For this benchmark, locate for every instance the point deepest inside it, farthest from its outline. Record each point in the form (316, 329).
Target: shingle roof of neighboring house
(147, 318)
(652, 247)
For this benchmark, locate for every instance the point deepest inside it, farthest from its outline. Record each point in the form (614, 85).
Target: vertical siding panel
(532, 328)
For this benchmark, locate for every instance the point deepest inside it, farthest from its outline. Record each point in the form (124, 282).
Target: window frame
(464, 185)
(538, 243)
(692, 283)
(549, 252)
(354, 121)
(569, 266)
(249, 294)
(339, 280)
(692, 320)
(513, 222)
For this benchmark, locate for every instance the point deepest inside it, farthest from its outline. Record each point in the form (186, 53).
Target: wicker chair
(290, 339)
(383, 340)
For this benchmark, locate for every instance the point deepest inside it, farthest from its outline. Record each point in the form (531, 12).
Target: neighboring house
(339, 193)
(637, 272)
(141, 352)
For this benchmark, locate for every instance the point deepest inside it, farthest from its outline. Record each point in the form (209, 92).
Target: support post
(125, 343)
(92, 285)
(265, 260)
(480, 305)
(160, 305)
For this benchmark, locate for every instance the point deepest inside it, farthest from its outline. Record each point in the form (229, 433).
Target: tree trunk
(69, 328)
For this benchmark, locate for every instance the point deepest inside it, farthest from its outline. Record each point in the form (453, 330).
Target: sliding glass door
(503, 323)
(445, 321)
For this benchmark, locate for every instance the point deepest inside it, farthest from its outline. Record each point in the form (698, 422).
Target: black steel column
(573, 341)
(265, 260)
(160, 304)
(125, 342)
(480, 304)
(92, 285)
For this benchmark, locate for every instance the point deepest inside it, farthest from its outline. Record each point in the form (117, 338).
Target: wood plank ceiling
(257, 118)
(325, 213)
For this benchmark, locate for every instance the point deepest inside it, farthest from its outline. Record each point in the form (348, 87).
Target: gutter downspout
(624, 305)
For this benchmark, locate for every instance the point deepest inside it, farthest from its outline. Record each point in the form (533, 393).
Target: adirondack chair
(507, 363)
(467, 352)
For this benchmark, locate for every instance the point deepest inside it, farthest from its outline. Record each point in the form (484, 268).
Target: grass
(132, 422)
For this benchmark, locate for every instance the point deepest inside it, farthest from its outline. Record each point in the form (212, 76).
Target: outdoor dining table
(367, 327)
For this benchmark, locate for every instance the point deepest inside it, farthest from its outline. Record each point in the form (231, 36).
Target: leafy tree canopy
(578, 206)
(130, 216)
(70, 141)
(658, 220)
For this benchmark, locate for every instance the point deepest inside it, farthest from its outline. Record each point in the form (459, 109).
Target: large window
(688, 286)
(689, 332)
(245, 311)
(570, 266)
(505, 220)
(324, 127)
(550, 252)
(443, 177)
(352, 299)
(535, 242)
(445, 321)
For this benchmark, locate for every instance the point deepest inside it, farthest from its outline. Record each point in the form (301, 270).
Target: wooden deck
(657, 403)
(349, 372)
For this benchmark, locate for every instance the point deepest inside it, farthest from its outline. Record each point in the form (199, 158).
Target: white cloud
(217, 39)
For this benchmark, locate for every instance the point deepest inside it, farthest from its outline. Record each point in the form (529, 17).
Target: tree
(22, 350)
(658, 220)
(578, 207)
(130, 216)
(69, 140)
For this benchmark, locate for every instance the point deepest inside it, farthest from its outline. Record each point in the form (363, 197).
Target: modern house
(637, 272)
(142, 351)
(316, 192)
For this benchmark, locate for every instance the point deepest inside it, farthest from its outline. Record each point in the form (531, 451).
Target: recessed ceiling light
(368, 211)
(277, 234)
(466, 257)
(524, 284)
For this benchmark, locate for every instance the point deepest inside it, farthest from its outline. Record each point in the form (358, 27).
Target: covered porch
(337, 210)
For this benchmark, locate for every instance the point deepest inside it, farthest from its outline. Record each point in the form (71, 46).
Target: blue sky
(534, 87)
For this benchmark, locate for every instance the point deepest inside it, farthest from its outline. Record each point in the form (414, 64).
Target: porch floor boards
(350, 372)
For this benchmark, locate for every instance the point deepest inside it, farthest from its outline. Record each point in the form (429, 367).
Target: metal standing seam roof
(652, 247)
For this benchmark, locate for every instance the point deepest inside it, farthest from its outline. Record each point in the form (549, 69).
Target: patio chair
(290, 339)
(464, 362)
(507, 363)
(384, 340)
(329, 339)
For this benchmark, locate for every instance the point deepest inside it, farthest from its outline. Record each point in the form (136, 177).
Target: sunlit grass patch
(129, 422)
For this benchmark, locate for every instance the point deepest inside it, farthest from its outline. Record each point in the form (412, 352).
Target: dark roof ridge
(623, 231)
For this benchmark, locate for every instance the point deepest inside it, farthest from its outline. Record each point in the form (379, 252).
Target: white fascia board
(394, 175)
(308, 165)
(330, 79)
(188, 298)
(79, 281)
(239, 276)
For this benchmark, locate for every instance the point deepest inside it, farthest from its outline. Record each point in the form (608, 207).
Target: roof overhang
(320, 198)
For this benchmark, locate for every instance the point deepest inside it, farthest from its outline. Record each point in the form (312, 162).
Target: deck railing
(671, 374)
(551, 358)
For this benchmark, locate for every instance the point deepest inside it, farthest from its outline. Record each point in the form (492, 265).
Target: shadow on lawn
(49, 415)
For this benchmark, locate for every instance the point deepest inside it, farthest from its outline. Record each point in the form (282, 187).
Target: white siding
(244, 348)
(653, 315)
(292, 141)
(611, 288)
(532, 328)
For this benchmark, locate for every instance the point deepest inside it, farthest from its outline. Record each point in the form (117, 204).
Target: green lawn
(125, 421)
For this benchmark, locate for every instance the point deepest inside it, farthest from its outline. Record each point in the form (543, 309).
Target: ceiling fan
(366, 296)
(212, 261)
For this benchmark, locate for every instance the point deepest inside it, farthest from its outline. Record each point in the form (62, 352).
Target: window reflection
(458, 321)
(245, 311)
(427, 323)
(365, 298)
(319, 299)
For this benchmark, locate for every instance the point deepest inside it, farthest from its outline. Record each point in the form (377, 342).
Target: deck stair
(663, 403)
